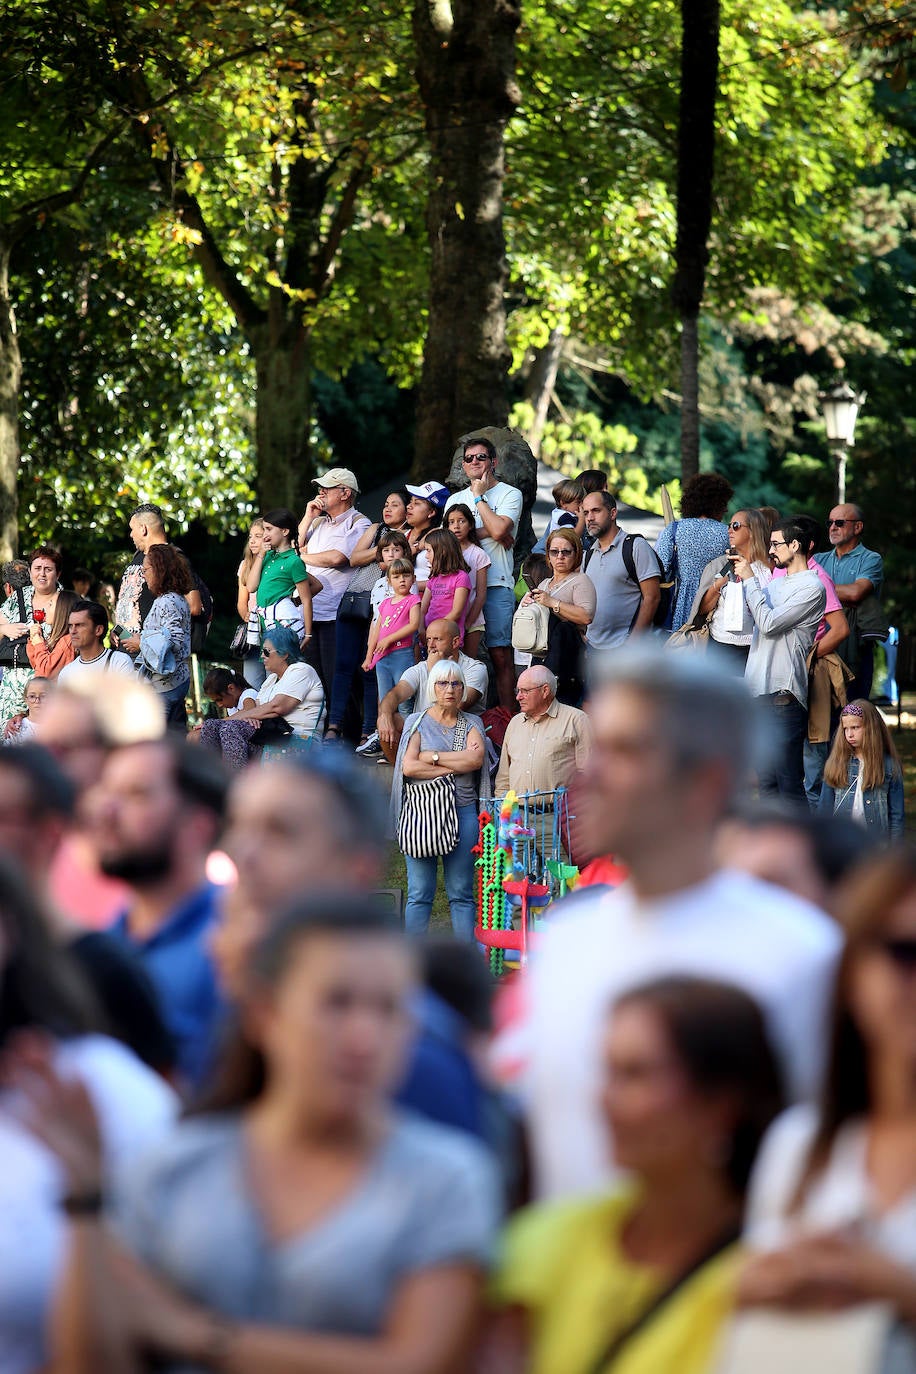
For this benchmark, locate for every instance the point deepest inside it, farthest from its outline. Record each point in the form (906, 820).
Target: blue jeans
(352, 638)
(176, 714)
(783, 773)
(458, 869)
(815, 756)
(253, 669)
(391, 668)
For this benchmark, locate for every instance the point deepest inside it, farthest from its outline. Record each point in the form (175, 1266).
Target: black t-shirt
(126, 995)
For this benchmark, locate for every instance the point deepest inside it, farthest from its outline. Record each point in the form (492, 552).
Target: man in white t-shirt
(88, 625)
(409, 692)
(673, 741)
(497, 510)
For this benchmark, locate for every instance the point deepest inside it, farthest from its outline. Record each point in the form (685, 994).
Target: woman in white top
(291, 701)
(248, 605)
(47, 1039)
(720, 597)
(833, 1199)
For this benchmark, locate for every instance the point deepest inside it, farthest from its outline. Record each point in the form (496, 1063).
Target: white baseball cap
(338, 477)
(433, 492)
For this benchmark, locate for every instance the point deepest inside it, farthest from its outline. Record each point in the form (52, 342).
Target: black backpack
(200, 624)
(666, 589)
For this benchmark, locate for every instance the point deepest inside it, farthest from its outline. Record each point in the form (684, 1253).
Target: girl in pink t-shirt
(449, 587)
(460, 523)
(390, 650)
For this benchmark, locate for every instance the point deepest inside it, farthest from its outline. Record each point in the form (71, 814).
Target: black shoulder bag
(616, 1344)
(14, 653)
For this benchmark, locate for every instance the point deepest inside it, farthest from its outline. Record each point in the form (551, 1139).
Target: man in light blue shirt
(786, 614)
(626, 606)
(858, 575)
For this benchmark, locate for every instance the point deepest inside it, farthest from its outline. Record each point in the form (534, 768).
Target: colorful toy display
(520, 868)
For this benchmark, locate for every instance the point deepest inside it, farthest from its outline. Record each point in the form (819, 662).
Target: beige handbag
(764, 1341)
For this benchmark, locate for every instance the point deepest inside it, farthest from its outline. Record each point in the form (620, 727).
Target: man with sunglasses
(786, 614)
(497, 511)
(858, 575)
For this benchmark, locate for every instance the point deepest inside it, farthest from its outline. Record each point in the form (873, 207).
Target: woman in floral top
(165, 639)
(40, 600)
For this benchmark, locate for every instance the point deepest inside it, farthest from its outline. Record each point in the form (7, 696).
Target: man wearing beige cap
(329, 532)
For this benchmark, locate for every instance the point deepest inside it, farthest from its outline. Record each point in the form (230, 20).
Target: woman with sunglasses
(570, 598)
(720, 596)
(833, 1201)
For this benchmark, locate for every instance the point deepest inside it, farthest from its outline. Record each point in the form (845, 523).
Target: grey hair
(16, 573)
(705, 714)
(445, 668)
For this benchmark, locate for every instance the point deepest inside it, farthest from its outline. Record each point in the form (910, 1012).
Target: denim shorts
(500, 608)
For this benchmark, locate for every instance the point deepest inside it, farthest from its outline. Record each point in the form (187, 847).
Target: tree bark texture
(539, 386)
(466, 54)
(283, 375)
(695, 169)
(10, 377)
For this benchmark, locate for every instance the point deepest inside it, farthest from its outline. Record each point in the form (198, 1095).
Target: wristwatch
(435, 758)
(478, 499)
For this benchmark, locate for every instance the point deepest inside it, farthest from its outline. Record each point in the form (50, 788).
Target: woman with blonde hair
(720, 596)
(247, 607)
(48, 656)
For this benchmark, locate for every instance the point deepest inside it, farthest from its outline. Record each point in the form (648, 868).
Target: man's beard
(138, 866)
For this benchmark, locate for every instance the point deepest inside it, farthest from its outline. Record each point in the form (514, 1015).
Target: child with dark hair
(448, 590)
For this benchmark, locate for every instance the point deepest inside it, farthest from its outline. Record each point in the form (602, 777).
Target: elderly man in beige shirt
(547, 743)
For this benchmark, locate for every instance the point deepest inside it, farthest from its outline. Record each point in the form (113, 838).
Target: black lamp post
(841, 407)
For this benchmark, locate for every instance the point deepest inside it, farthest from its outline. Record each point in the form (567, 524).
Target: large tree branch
(27, 214)
(343, 218)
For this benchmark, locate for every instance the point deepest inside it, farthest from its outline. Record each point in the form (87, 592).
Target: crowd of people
(253, 1119)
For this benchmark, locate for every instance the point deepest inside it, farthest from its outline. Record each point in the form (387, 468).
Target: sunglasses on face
(839, 522)
(737, 525)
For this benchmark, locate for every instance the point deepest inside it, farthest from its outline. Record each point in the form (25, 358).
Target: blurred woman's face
(882, 984)
(256, 538)
(149, 575)
(394, 511)
(335, 1029)
(661, 1127)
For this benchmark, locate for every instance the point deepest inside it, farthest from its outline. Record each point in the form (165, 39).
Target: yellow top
(564, 1264)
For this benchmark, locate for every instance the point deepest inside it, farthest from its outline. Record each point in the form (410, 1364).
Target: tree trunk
(283, 417)
(466, 55)
(540, 384)
(10, 378)
(695, 166)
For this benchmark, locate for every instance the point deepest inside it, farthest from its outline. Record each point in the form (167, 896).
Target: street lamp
(841, 407)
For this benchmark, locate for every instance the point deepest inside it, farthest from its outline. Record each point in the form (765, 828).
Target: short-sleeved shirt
(342, 534)
(303, 683)
(502, 500)
(108, 661)
(475, 677)
(177, 958)
(427, 1198)
(576, 590)
(859, 562)
(442, 596)
(280, 572)
(618, 596)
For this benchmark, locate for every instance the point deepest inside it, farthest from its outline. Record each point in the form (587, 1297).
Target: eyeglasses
(451, 686)
(560, 553)
(775, 543)
(475, 457)
(524, 691)
(830, 523)
(266, 653)
(737, 525)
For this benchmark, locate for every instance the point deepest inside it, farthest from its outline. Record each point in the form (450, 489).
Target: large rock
(517, 465)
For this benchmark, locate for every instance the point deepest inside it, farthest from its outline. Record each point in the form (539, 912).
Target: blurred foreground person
(156, 815)
(672, 746)
(81, 723)
(49, 1046)
(833, 1200)
(296, 1223)
(298, 823)
(643, 1277)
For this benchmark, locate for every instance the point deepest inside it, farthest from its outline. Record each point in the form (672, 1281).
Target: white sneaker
(371, 745)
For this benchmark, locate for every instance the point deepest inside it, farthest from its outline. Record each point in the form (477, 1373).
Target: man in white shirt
(672, 745)
(497, 510)
(88, 625)
(329, 532)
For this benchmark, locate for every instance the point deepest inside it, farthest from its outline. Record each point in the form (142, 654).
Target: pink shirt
(833, 601)
(442, 597)
(394, 615)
